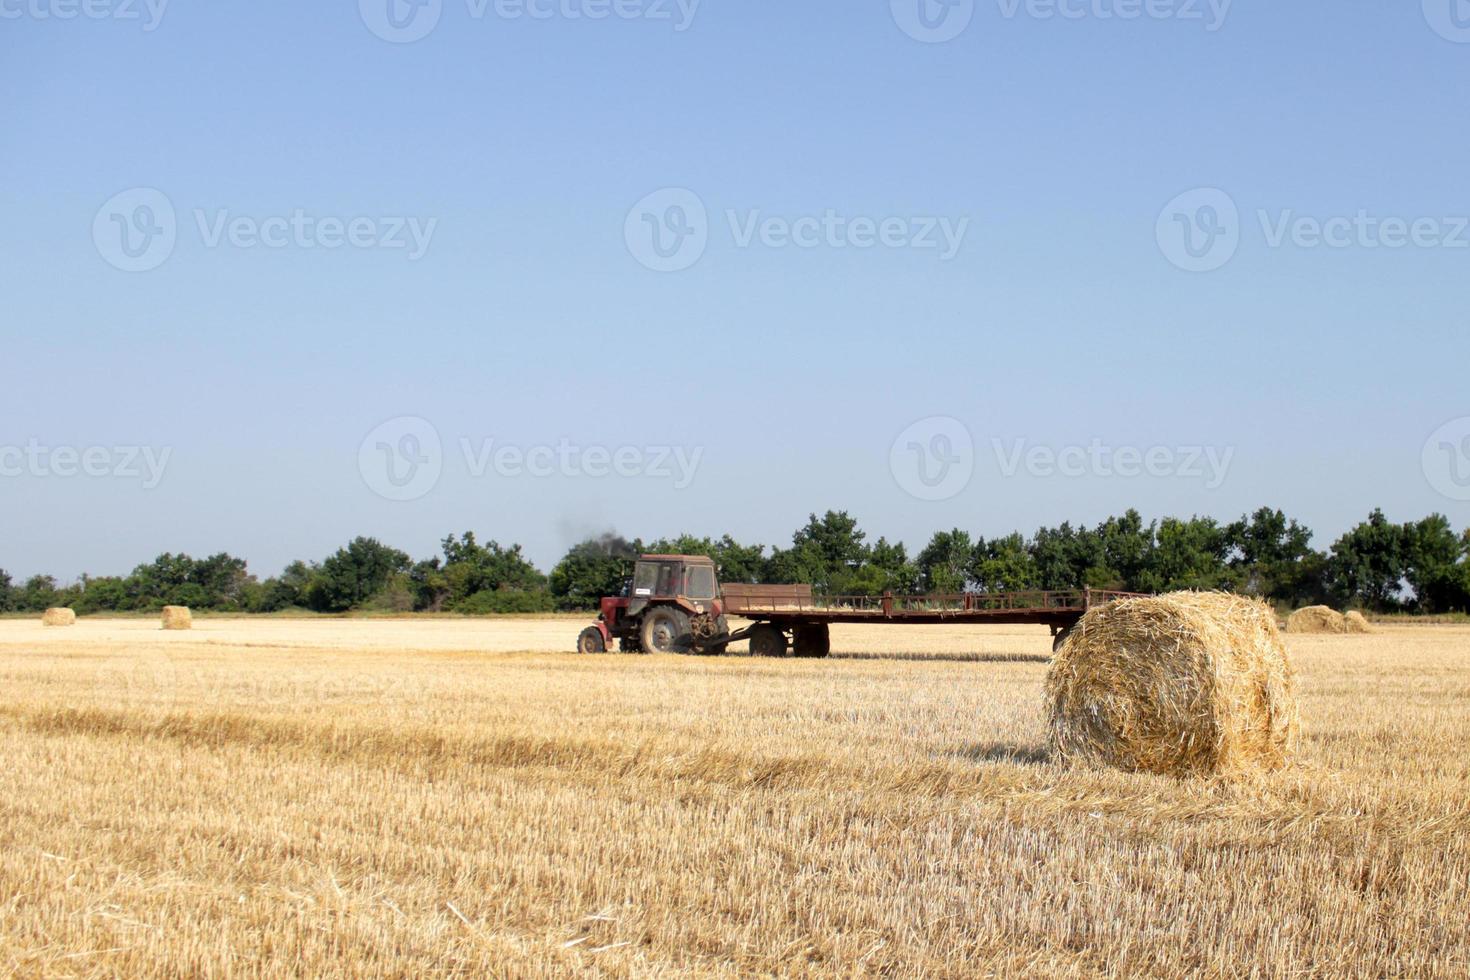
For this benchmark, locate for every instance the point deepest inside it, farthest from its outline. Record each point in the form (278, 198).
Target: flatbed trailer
(676, 604)
(793, 609)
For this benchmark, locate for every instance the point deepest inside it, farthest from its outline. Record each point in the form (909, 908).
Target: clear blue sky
(529, 319)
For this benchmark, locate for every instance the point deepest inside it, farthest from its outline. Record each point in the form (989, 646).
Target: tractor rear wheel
(666, 630)
(767, 641)
(812, 640)
(591, 641)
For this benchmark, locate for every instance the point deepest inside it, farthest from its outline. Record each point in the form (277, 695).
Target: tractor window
(699, 582)
(645, 579)
(668, 579)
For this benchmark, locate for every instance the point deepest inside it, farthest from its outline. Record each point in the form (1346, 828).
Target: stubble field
(423, 797)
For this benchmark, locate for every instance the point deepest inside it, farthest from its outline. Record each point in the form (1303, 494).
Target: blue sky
(268, 378)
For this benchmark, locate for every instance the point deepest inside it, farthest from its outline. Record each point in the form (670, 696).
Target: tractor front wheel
(591, 641)
(666, 630)
(767, 641)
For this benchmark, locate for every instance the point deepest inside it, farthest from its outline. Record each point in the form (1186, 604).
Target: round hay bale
(58, 617)
(1192, 683)
(177, 618)
(1315, 619)
(1356, 622)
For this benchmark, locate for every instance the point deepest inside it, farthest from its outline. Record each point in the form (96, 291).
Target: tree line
(1420, 566)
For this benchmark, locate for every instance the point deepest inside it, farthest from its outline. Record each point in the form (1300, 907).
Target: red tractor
(671, 604)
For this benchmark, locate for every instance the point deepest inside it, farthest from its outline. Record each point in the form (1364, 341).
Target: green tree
(1432, 556)
(1127, 547)
(827, 554)
(1367, 564)
(104, 594)
(1272, 557)
(1003, 565)
(7, 592)
(944, 564)
(590, 570)
(355, 574)
(38, 594)
(1188, 555)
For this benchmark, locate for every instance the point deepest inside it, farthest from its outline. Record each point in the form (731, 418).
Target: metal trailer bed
(794, 605)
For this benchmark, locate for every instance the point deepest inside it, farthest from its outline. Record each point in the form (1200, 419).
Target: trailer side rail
(888, 606)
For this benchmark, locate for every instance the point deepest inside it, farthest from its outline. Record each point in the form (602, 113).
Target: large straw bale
(1192, 683)
(1315, 619)
(1355, 622)
(58, 617)
(177, 618)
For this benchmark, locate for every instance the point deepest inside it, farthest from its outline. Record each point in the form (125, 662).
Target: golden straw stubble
(1186, 684)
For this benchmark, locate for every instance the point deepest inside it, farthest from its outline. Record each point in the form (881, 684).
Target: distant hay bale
(1356, 622)
(1192, 683)
(177, 618)
(58, 617)
(1315, 619)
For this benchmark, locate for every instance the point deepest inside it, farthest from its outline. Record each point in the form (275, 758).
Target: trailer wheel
(767, 641)
(1059, 639)
(666, 630)
(812, 640)
(591, 641)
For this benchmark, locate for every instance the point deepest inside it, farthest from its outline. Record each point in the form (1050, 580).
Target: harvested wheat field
(416, 797)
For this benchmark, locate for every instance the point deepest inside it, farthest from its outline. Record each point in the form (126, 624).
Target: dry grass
(409, 798)
(1192, 683)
